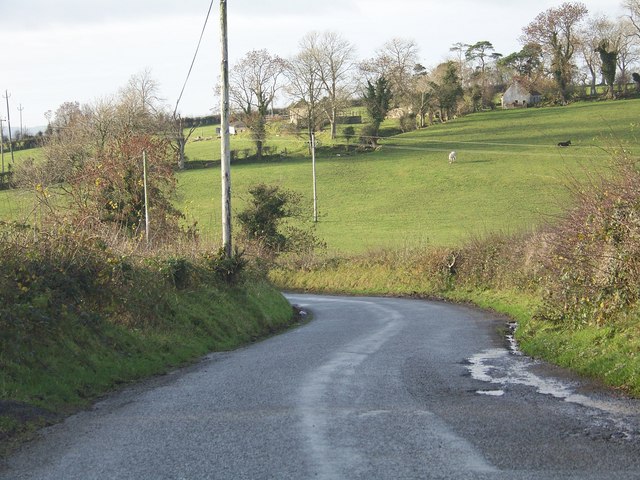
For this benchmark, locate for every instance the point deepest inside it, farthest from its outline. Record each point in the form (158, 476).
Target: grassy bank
(76, 324)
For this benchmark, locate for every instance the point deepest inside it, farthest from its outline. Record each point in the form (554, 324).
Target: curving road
(370, 389)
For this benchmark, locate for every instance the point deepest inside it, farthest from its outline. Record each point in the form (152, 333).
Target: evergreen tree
(377, 97)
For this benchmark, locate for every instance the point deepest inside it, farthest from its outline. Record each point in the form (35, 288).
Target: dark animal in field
(564, 144)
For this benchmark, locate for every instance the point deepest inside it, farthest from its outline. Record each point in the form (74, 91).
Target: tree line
(564, 52)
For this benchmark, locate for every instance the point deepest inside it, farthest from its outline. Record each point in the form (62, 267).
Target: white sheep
(452, 157)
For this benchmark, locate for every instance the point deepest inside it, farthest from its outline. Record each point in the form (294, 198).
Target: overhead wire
(193, 61)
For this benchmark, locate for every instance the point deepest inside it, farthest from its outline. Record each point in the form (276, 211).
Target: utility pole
(225, 151)
(6, 96)
(20, 109)
(313, 165)
(146, 196)
(2, 146)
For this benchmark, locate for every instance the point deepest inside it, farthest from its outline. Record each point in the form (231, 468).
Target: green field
(510, 175)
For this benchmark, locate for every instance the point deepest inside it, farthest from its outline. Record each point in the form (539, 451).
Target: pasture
(509, 176)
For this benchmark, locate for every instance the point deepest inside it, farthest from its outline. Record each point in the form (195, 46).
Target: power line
(193, 61)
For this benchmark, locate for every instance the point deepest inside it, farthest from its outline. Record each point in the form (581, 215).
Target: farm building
(517, 96)
(234, 128)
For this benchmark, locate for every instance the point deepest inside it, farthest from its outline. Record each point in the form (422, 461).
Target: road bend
(371, 388)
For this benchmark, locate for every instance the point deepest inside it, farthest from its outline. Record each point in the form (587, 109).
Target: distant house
(298, 115)
(232, 131)
(399, 112)
(517, 96)
(234, 128)
(238, 127)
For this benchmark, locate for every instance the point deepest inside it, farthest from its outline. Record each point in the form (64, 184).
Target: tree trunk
(334, 116)
(181, 155)
(259, 145)
(258, 131)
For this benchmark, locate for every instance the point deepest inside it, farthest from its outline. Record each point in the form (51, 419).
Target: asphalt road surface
(369, 389)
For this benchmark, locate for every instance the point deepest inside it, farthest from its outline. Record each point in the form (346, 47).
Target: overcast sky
(54, 51)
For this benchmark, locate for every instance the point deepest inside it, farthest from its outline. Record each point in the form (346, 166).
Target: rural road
(370, 389)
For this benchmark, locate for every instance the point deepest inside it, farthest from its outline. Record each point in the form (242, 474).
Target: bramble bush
(593, 267)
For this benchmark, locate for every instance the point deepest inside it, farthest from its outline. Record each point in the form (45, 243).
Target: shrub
(176, 270)
(227, 269)
(593, 268)
(50, 275)
(369, 135)
(263, 222)
(408, 122)
(348, 133)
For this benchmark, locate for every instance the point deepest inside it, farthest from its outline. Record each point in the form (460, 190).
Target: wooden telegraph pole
(313, 166)
(20, 109)
(146, 196)
(225, 159)
(6, 96)
(2, 145)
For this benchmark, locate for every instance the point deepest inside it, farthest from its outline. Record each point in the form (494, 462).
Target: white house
(234, 128)
(517, 96)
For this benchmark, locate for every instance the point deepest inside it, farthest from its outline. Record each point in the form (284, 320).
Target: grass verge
(48, 371)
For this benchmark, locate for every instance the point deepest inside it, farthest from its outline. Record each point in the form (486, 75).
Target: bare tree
(81, 133)
(590, 37)
(394, 61)
(253, 84)
(633, 7)
(555, 30)
(627, 46)
(68, 145)
(176, 132)
(609, 39)
(305, 86)
(334, 56)
(139, 104)
(101, 119)
(422, 92)
(459, 49)
(142, 91)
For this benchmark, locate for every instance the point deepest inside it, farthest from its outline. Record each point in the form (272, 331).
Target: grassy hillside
(510, 175)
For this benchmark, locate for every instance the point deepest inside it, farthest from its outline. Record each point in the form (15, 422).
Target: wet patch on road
(499, 366)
